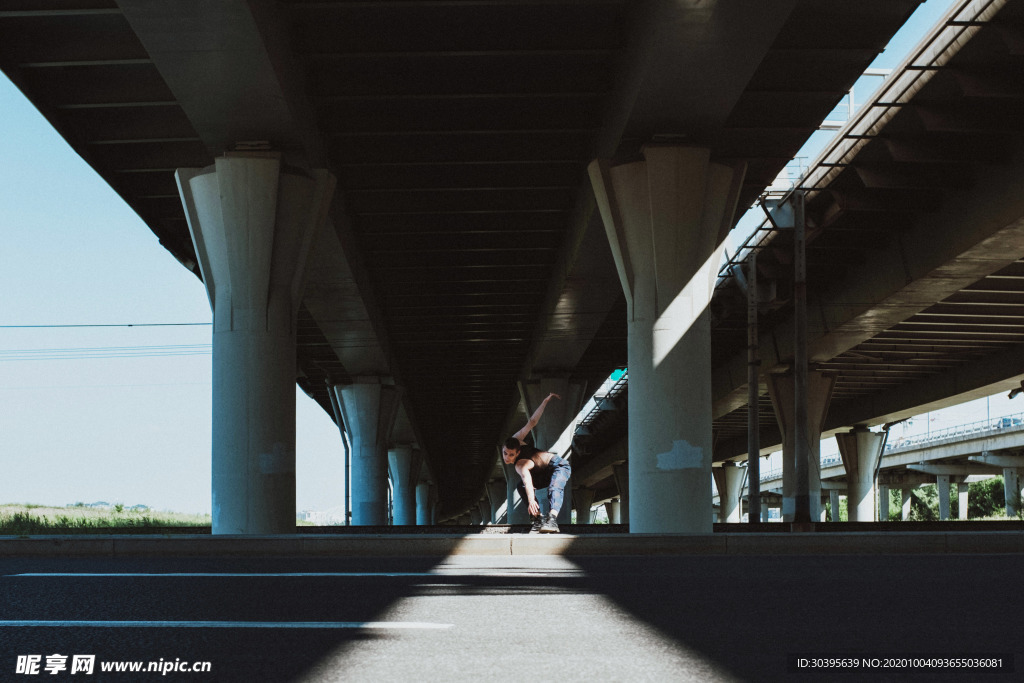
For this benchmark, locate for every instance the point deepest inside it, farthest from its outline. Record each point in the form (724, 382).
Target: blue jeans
(555, 487)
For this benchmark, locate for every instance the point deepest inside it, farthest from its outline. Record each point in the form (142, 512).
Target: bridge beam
(860, 450)
(666, 217)
(252, 227)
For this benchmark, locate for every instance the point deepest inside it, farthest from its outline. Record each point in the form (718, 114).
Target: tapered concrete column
(860, 450)
(961, 499)
(1012, 480)
(729, 481)
(819, 393)
(252, 227)
(942, 484)
(516, 507)
(584, 500)
(666, 218)
(423, 516)
(557, 416)
(369, 407)
(401, 462)
(620, 473)
(883, 503)
(906, 500)
(611, 508)
(833, 499)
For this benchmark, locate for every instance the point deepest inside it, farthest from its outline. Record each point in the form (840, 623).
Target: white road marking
(135, 575)
(227, 624)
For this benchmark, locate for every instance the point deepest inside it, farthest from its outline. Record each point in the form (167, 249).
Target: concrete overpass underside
(914, 248)
(463, 252)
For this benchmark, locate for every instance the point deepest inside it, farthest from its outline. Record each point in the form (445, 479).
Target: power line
(105, 352)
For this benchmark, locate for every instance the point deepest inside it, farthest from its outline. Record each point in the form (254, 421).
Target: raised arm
(535, 418)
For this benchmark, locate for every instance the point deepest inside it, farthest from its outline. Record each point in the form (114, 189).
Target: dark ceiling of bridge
(459, 133)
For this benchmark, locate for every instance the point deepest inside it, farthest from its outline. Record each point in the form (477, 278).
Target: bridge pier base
(819, 394)
(621, 475)
(557, 416)
(496, 495)
(961, 492)
(1012, 479)
(666, 217)
(369, 407)
(584, 500)
(403, 464)
(729, 481)
(942, 484)
(515, 510)
(423, 506)
(860, 450)
(611, 508)
(252, 226)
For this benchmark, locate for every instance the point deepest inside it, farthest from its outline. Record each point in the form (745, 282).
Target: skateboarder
(537, 469)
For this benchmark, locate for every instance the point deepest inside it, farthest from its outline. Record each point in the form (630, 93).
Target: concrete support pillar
(961, 499)
(485, 511)
(819, 393)
(612, 508)
(860, 450)
(1012, 480)
(516, 511)
(583, 498)
(942, 484)
(423, 516)
(729, 481)
(666, 217)
(403, 467)
(252, 227)
(621, 475)
(496, 497)
(883, 503)
(765, 511)
(369, 407)
(558, 414)
(833, 499)
(905, 500)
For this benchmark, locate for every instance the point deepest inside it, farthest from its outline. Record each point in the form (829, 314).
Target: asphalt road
(516, 618)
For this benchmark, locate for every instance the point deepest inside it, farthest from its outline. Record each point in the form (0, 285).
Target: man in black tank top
(537, 469)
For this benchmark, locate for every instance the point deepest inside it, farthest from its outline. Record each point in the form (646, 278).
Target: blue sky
(130, 429)
(133, 427)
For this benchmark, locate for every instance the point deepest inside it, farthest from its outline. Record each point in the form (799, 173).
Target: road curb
(395, 545)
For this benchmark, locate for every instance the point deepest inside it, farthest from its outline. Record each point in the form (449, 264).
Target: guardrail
(964, 430)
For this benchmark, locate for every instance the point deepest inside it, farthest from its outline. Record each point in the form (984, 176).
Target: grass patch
(30, 519)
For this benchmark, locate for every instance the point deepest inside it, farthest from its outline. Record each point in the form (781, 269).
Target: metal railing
(867, 122)
(968, 429)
